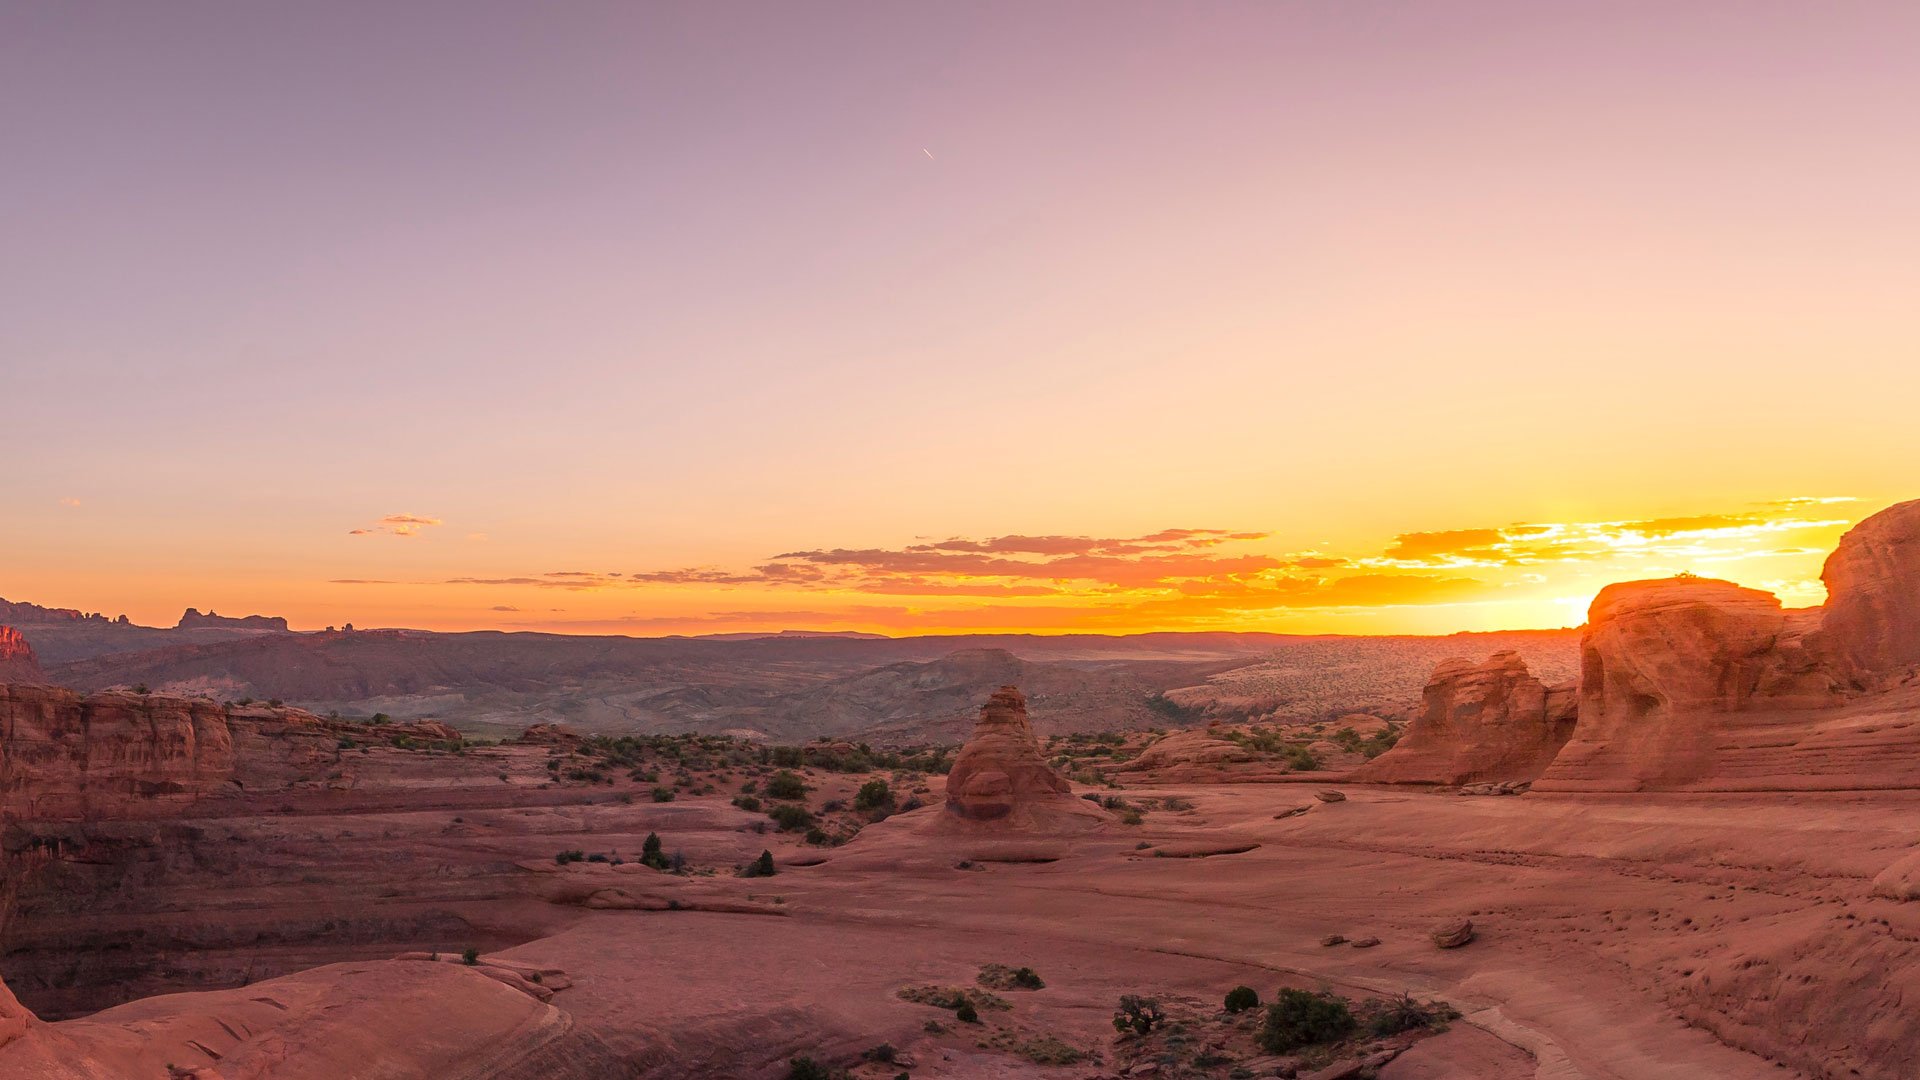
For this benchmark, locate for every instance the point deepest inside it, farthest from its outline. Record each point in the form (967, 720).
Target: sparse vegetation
(1242, 998)
(786, 785)
(1003, 977)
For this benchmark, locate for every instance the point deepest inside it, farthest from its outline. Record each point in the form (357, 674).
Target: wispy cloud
(396, 525)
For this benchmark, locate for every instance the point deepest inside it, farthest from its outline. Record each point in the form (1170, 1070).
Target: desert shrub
(760, 867)
(1132, 816)
(874, 795)
(884, 1053)
(651, 852)
(912, 803)
(1395, 1015)
(748, 803)
(1300, 1018)
(663, 794)
(1301, 759)
(471, 957)
(966, 1013)
(565, 857)
(805, 1068)
(1242, 998)
(786, 785)
(1136, 1014)
(791, 817)
(1003, 977)
(1047, 1050)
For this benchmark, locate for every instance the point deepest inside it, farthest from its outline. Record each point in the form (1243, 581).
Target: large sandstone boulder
(1872, 619)
(1480, 723)
(1000, 767)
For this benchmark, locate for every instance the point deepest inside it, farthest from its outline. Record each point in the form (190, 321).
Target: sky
(1330, 317)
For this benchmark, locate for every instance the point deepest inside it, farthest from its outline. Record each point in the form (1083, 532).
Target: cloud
(397, 525)
(503, 607)
(69, 501)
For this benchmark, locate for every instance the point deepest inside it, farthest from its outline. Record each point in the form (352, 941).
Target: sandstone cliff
(1484, 722)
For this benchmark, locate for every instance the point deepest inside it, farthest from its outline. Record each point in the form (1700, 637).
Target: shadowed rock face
(1000, 766)
(1872, 618)
(17, 662)
(66, 757)
(1480, 722)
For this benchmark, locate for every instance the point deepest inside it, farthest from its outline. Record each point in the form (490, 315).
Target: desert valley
(1686, 852)
(852, 540)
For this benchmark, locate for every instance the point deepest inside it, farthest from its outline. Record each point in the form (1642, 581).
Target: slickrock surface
(1480, 723)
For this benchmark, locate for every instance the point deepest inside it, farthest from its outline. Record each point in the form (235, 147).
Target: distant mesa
(22, 614)
(1481, 723)
(193, 620)
(17, 662)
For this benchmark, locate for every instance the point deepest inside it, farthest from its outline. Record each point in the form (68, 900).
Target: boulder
(547, 735)
(1330, 795)
(1480, 723)
(1453, 933)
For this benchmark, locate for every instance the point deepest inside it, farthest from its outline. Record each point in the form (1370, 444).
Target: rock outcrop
(68, 757)
(191, 619)
(1692, 683)
(1872, 617)
(1480, 723)
(999, 774)
(17, 662)
(1200, 756)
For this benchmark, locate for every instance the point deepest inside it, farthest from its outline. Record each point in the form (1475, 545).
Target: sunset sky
(646, 318)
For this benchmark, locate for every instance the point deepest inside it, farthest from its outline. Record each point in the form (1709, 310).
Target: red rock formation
(68, 757)
(17, 662)
(1480, 722)
(1872, 618)
(1000, 767)
(1200, 756)
(14, 1018)
(1690, 683)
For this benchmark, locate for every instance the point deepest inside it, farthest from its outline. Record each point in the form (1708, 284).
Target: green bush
(1242, 998)
(805, 1068)
(1299, 1018)
(663, 794)
(1301, 759)
(874, 795)
(761, 867)
(786, 785)
(791, 817)
(471, 957)
(966, 1013)
(651, 854)
(748, 803)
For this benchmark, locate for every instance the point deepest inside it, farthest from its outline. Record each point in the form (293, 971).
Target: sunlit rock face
(1872, 618)
(17, 662)
(1491, 721)
(1696, 683)
(1000, 766)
